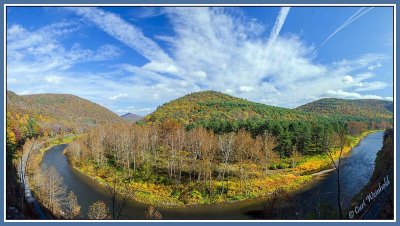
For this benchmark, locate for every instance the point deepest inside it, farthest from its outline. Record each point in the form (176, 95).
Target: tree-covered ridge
(210, 105)
(62, 107)
(43, 115)
(368, 108)
(223, 113)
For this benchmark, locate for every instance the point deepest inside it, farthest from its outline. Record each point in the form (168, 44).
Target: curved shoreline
(226, 202)
(29, 193)
(177, 206)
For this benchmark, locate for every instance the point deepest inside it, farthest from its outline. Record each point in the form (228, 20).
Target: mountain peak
(212, 105)
(131, 117)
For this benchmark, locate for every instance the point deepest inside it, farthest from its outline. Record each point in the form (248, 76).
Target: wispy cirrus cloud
(148, 12)
(128, 34)
(41, 50)
(279, 23)
(38, 61)
(207, 49)
(118, 96)
(351, 19)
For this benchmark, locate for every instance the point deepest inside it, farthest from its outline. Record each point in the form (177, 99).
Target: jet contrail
(351, 19)
(280, 20)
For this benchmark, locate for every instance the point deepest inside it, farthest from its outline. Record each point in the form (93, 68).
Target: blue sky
(133, 59)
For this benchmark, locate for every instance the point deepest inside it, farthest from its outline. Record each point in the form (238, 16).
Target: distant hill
(368, 108)
(216, 108)
(209, 105)
(63, 107)
(131, 117)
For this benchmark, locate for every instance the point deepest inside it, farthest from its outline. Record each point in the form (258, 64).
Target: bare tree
(117, 190)
(133, 146)
(125, 147)
(153, 142)
(327, 148)
(225, 144)
(72, 210)
(180, 143)
(268, 144)
(296, 156)
(243, 143)
(168, 138)
(152, 213)
(208, 158)
(96, 144)
(143, 142)
(50, 189)
(194, 143)
(98, 211)
(273, 202)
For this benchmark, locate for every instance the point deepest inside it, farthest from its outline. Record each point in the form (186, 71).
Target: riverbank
(320, 164)
(189, 194)
(32, 161)
(36, 159)
(367, 205)
(21, 203)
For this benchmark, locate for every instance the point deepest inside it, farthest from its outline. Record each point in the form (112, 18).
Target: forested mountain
(131, 117)
(34, 121)
(379, 109)
(211, 105)
(224, 113)
(62, 107)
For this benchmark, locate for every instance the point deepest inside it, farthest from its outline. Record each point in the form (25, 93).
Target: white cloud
(106, 52)
(208, 49)
(37, 61)
(53, 79)
(373, 67)
(270, 101)
(361, 62)
(40, 51)
(200, 74)
(12, 80)
(118, 96)
(370, 86)
(161, 67)
(245, 88)
(348, 79)
(230, 60)
(125, 32)
(156, 96)
(350, 95)
(148, 12)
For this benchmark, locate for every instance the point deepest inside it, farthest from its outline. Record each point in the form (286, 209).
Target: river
(356, 171)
